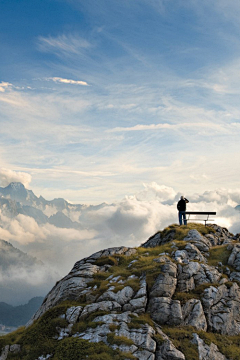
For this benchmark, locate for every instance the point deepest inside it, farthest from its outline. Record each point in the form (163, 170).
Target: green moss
(198, 291)
(38, 338)
(182, 339)
(158, 338)
(138, 321)
(102, 286)
(81, 326)
(155, 251)
(180, 232)
(79, 349)
(227, 345)
(182, 336)
(219, 254)
(119, 340)
(183, 297)
(106, 260)
(12, 338)
(113, 327)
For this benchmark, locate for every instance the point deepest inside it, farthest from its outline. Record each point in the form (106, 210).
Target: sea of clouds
(128, 222)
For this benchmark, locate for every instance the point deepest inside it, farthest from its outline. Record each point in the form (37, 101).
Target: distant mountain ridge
(19, 315)
(16, 199)
(11, 257)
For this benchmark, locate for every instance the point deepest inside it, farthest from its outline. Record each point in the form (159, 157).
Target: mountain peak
(162, 300)
(16, 186)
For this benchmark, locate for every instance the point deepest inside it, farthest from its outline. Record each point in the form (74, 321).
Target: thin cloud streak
(68, 81)
(208, 126)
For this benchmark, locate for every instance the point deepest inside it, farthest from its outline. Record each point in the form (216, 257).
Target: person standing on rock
(181, 206)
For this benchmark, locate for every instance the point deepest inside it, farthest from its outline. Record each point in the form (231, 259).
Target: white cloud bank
(7, 176)
(129, 222)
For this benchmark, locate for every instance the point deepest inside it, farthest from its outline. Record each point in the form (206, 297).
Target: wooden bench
(208, 213)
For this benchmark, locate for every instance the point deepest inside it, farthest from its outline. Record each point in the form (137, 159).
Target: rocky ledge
(175, 297)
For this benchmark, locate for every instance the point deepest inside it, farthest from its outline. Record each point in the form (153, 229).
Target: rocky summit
(175, 297)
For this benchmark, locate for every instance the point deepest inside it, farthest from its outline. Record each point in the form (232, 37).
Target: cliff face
(176, 297)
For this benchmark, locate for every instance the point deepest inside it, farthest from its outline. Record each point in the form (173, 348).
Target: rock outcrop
(165, 300)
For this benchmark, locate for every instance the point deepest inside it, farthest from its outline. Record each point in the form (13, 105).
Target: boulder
(164, 310)
(222, 309)
(167, 351)
(193, 315)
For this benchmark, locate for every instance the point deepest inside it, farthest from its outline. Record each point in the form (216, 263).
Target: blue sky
(98, 97)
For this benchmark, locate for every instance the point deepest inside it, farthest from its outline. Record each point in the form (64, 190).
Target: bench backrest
(200, 213)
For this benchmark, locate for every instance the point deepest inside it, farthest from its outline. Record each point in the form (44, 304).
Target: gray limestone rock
(181, 256)
(207, 352)
(164, 285)
(144, 355)
(100, 306)
(167, 351)
(193, 253)
(122, 296)
(4, 353)
(70, 287)
(15, 348)
(166, 282)
(194, 274)
(222, 309)
(121, 250)
(114, 318)
(193, 315)
(164, 310)
(201, 242)
(142, 338)
(73, 313)
(234, 258)
(153, 241)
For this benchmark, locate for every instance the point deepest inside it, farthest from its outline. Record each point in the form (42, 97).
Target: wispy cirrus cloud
(65, 44)
(68, 81)
(166, 126)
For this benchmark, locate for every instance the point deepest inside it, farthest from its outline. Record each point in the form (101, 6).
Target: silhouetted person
(181, 206)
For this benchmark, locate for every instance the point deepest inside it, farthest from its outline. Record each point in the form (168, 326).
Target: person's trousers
(182, 216)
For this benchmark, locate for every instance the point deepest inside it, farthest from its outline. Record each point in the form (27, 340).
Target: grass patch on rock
(118, 340)
(138, 321)
(106, 260)
(219, 254)
(79, 349)
(183, 297)
(182, 339)
(88, 322)
(180, 232)
(227, 345)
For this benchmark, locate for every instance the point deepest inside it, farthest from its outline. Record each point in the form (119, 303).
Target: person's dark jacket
(181, 206)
